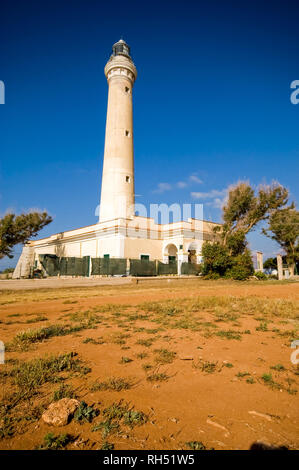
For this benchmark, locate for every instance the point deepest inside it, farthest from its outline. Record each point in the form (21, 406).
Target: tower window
(127, 89)
(128, 179)
(127, 133)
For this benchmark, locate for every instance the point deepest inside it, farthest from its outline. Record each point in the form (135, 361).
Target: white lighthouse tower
(119, 234)
(117, 195)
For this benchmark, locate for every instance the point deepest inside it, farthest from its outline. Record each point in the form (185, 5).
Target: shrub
(242, 267)
(260, 275)
(216, 259)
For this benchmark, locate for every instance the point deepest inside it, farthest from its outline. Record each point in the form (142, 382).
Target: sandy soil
(223, 409)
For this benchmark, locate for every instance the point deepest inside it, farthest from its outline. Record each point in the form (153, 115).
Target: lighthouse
(117, 193)
(128, 240)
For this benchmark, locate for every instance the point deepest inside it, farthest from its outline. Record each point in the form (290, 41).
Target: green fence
(50, 263)
(167, 268)
(72, 266)
(190, 269)
(140, 267)
(109, 266)
(66, 266)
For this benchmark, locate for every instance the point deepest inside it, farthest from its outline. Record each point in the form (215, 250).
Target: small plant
(146, 342)
(228, 364)
(242, 374)
(164, 356)
(261, 276)
(37, 319)
(268, 380)
(113, 383)
(106, 427)
(116, 414)
(196, 445)
(52, 442)
(278, 367)
(157, 377)
(229, 334)
(263, 326)
(142, 355)
(134, 418)
(85, 413)
(6, 427)
(147, 367)
(107, 446)
(206, 366)
(125, 360)
(250, 380)
(91, 341)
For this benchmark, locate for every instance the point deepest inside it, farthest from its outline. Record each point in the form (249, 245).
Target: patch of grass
(23, 340)
(52, 442)
(86, 319)
(92, 341)
(229, 334)
(228, 364)
(242, 374)
(106, 427)
(268, 380)
(226, 317)
(146, 342)
(206, 366)
(113, 383)
(85, 413)
(29, 376)
(291, 391)
(263, 326)
(7, 426)
(117, 414)
(64, 391)
(157, 377)
(134, 418)
(278, 367)
(164, 356)
(37, 319)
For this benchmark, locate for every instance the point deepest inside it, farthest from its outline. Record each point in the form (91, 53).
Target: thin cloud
(162, 187)
(209, 194)
(195, 179)
(215, 198)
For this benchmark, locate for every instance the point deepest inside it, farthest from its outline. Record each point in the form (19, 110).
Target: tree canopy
(16, 229)
(228, 256)
(283, 227)
(244, 209)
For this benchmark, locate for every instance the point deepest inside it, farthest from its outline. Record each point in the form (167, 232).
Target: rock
(60, 412)
(186, 358)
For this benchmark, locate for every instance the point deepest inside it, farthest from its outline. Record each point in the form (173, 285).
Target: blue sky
(211, 102)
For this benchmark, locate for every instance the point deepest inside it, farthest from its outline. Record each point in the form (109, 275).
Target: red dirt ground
(220, 409)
